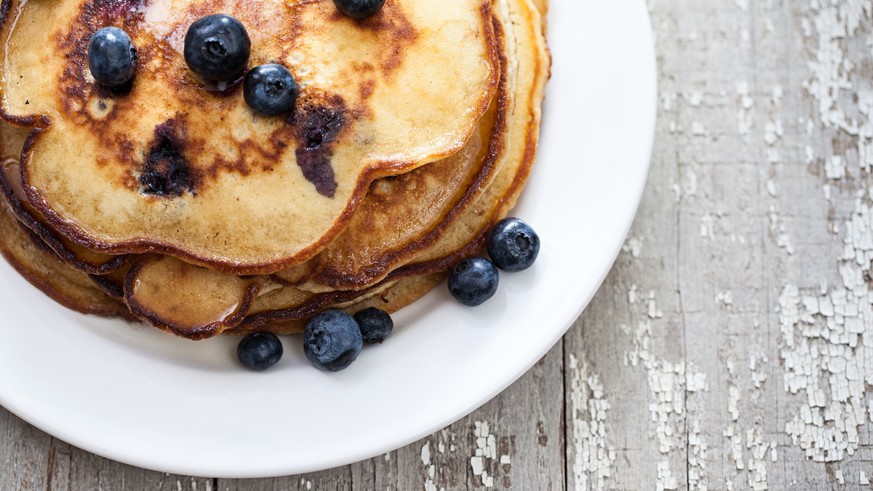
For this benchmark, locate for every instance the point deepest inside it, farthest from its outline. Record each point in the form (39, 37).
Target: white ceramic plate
(147, 399)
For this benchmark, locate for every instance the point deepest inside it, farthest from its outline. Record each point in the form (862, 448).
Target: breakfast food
(512, 245)
(338, 155)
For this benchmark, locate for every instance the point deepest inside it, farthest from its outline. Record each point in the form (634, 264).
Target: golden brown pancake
(403, 215)
(161, 167)
(42, 268)
(37, 263)
(392, 224)
(222, 300)
(528, 71)
(159, 288)
(525, 77)
(391, 299)
(543, 7)
(528, 74)
(13, 140)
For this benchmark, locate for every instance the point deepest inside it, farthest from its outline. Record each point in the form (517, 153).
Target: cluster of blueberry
(332, 340)
(217, 49)
(512, 246)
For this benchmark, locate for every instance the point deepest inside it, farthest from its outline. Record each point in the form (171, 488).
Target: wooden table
(732, 345)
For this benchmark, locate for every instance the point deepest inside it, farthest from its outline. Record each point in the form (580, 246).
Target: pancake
(403, 215)
(531, 61)
(221, 301)
(198, 302)
(399, 295)
(161, 167)
(392, 223)
(525, 77)
(64, 284)
(73, 254)
(543, 7)
(39, 264)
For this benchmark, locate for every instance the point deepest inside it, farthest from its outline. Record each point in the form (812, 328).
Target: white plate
(150, 400)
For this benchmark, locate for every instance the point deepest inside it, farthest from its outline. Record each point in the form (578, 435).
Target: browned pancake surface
(162, 166)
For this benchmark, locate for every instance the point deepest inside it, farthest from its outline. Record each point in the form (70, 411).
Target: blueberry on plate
(513, 245)
(217, 48)
(359, 9)
(473, 281)
(259, 350)
(376, 325)
(270, 89)
(332, 340)
(112, 57)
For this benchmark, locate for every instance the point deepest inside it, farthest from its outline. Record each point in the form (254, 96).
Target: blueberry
(332, 340)
(259, 350)
(376, 325)
(513, 245)
(359, 9)
(473, 281)
(270, 89)
(217, 48)
(112, 57)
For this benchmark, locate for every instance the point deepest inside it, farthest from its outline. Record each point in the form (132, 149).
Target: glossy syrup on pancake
(395, 297)
(160, 166)
(13, 140)
(526, 76)
(403, 215)
(197, 302)
(38, 263)
(524, 80)
(400, 216)
(42, 268)
(221, 302)
(284, 309)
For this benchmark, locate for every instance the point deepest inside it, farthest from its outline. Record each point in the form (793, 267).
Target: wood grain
(731, 347)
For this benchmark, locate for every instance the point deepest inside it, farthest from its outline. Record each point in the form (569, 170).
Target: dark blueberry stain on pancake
(145, 163)
(166, 172)
(317, 128)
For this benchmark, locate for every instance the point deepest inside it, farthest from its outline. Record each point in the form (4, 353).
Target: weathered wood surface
(731, 347)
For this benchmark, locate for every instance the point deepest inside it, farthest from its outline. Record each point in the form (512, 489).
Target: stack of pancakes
(172, 203)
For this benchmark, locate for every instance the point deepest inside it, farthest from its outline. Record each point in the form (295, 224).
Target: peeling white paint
(666, 479)
(430, 468)
(744, 116)
(778, 229)
(695, 386)
(826, 336)
(835, 167)
(826, 345)
(593, 457)
(633, 246)
(653, 311)
(485, 453)
(669, 384)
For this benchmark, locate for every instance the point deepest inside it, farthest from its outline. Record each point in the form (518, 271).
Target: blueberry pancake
(522, 83)
(201, 199)
(162, 162)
